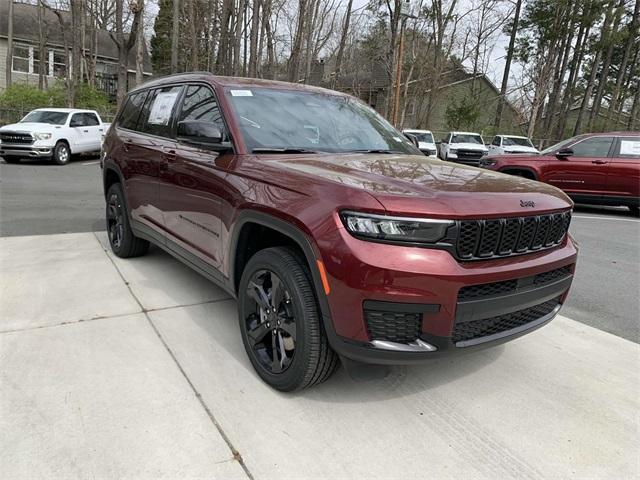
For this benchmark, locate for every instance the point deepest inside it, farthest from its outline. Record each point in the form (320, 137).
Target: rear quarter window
(131, 111)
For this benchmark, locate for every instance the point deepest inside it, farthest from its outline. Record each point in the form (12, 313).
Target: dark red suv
(338, 238)
(596, 168)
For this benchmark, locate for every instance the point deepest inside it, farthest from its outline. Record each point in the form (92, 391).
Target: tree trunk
(9, 58)
(175, 32)
(74, 78)
(42, 47)
(124, 46)
(635, 112)
(140, 47)
(296, 47)
(343, 43)
(595, 107)
(633, 35)
(223, 60)
(255, 30)
(193, 35)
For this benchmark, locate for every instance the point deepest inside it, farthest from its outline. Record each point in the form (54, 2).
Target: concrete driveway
(135, 368)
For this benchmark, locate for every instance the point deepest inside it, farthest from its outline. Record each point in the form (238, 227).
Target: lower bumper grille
(476, 329)
(393, 326)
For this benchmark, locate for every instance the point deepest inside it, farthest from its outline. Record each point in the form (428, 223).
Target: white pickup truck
(53, 133)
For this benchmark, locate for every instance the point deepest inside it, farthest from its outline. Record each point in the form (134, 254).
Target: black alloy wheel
(280, 321)
(271, 324)
(121, 238)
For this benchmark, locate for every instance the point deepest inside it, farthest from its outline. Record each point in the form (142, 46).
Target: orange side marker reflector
(323, 277)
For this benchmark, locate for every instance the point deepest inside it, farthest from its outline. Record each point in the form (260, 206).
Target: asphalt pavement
(39, 198)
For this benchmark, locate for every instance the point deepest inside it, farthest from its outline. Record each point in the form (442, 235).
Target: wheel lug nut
(268, 325)
(278, 322)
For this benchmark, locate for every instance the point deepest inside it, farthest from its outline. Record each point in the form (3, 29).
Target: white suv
(55, 133)
(505, 144)
(463, 147)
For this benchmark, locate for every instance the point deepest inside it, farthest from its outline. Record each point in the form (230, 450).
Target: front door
(584, 172)
(192, 187)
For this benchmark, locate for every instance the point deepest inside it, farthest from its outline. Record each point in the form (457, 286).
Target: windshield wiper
(282, 150)
(374, 150)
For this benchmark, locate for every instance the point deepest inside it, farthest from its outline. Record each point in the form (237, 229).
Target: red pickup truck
(595, 168)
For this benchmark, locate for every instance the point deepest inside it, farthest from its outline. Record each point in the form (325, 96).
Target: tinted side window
(200, 104)
(77, 120)
(131, 111)
(628, 147)
(593, 147)
(159, 111)
(496, 141)
(90, 119)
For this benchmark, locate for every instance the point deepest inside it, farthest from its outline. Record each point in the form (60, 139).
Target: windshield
(422, 137)
(467, 138)
(516, 142)
(46, 116)
(559, 145)
(298, 120)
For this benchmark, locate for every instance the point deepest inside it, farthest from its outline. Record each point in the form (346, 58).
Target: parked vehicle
(52, 133)
(338, 238)
(506, 144)
(426, 143)
(596, 168)
(463, 147)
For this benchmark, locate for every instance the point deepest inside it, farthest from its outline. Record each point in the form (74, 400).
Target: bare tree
(9, 58)
(175, 32)
(124, 43)
(507, 65)
(140, 46)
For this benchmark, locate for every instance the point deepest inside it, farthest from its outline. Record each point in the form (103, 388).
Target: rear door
(192, 187)
(93, 131)
(584, 173)
(624, 171)
(78, 135)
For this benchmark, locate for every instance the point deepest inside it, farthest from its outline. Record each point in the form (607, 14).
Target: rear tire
(634, 209)
(121, 238)
(61, 153)
(280, 321)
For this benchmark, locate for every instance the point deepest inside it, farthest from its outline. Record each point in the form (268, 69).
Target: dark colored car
(338, 238)
(595, 168)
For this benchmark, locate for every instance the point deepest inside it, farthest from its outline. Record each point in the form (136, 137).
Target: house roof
(25, 28)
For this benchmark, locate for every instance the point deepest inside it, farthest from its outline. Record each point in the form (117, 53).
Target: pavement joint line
(236, 454)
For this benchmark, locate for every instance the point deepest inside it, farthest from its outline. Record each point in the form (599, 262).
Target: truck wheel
(61, 153)
(280, 321)
(121, 238)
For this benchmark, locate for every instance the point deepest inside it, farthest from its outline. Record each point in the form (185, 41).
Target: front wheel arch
(520, 172)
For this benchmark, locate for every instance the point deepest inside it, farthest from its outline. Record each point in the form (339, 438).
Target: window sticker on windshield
(162, 107)
(241, 93)
(628, 147)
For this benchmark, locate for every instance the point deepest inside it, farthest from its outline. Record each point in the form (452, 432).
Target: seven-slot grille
(16, 137)
(465, 331)
(479, 239)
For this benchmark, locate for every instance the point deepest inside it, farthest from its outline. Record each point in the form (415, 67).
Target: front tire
(61, 153)
(280, 321)
(121, 238)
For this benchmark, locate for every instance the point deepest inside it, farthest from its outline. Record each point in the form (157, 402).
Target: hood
(29, 127)
(469, 146)
(426, 145)
(411, 184)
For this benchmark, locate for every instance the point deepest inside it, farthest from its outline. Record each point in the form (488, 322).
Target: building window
(45, 64)
(21, 59)
(58, 63)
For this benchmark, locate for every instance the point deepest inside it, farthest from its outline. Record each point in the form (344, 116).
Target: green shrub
(28, 97)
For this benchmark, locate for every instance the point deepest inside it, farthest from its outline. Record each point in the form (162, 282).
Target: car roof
(416, 130)
(465, 133)
(233, 82)
(513, 136)
(63, 110)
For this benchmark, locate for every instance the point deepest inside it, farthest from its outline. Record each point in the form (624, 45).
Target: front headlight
(487, 162)
(395, 229)
(42, 136)
(453, 150)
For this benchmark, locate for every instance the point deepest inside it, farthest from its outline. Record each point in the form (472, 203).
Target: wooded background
(552, 60)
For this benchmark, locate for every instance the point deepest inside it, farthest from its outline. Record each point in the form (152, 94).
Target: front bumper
(31, 151)
(429, 281)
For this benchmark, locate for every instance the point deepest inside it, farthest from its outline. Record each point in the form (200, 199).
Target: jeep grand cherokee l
(336, 236)
(595, 168)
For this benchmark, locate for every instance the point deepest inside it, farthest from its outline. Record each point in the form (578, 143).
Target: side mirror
(564, 153)
(205, 134)
(413, 139)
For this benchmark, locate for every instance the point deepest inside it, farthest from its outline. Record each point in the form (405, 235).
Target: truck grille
(487, 290)
(16, 138)
(474, 329)
(478, 239)
(393, 326)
